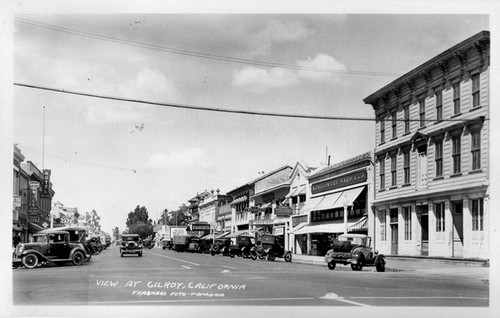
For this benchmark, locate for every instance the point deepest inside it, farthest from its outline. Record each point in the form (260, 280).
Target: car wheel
(270, 257)
(30, 261)
(331, 265)
(78, 258)
(254, 256)
(140, 254)
(380, 265)
(288, 257)
(231, 255)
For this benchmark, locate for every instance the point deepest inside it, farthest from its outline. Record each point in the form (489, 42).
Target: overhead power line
(199, 54)
(222, 110)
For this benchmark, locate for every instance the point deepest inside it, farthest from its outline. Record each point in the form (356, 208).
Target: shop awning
(352, 195)
(299, 190)
(298, 227)
(239, 233)
(240, 199)
(265, 205)
(361, 225)
(328, 202)
(334, 227)
(35, 227)
(311, 204)
(16, 228)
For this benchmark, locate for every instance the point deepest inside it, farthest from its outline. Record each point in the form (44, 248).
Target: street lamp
(345, 202)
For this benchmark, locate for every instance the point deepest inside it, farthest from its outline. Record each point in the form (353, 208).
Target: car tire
(331, 265)
(380, 265)
(140, 254)
(78, 258)
(288, 257)
(270, 257)
(30, 261)
(254, 256)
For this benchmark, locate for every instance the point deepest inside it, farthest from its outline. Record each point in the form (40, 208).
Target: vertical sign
(34, 185)
(46, 181)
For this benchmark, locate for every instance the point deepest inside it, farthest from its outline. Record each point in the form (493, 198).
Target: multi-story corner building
(193, 207)
(432, 156)
(20, 197)
(245, 212)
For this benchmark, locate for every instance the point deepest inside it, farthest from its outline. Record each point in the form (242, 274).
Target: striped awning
(239, 200)
(265, 205)
(361, 225)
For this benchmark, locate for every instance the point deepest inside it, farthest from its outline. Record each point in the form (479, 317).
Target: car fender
(37, 253)
(267, 250)
(380, 256)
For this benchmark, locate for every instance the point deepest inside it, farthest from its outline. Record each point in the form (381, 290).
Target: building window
(382, 130)
(394, 215)
(477, 215)
(382, 173)
(456, 98)
(383, 232)
(394, 167)
(476, 148)
(407, 220)
(407, 118)
(475, 91)
(438, 146)
(439, 212)
(394, 125)
(406, 166)
(439, 105)
(421, 104)
(456, 153)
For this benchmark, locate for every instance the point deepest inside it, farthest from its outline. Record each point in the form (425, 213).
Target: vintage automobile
(220, 246)
(166, 243)
(93, 244)
(131, 244)
(107, 240)
(180, 243)
(354, 249)
(270, 247)
(199, 245)
(51, 246)
(148, 243)
(242, 246)
(77, 234)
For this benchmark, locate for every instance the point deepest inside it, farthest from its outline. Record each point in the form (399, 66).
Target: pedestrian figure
(16, 240)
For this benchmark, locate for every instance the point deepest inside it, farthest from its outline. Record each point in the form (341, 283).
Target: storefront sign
(283, 210)
(204, 228)
(34, 185)
(340, 182)
(279, 230)
(299, 219)
(252, 209)
(33, 214)
(261, 222)
(46, 182)
(17, 201)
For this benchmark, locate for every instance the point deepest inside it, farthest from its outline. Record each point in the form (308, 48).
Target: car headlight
(19, 249)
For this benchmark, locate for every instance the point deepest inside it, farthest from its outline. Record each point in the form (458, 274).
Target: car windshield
(353, 240)
(130, 238)
(268, 239)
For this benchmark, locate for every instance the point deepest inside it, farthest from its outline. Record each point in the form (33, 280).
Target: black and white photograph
(229, 159)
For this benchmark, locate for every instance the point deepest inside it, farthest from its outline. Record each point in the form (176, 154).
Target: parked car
(199, 245)
(52, 246)
(77, 234)
(242, 246)
(107, 240)
(356, 250)
(180, 243)
(270, 247)
(165, 243)
(220, 246)
(131, 244)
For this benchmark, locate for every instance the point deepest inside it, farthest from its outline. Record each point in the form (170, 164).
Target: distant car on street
(131, 244)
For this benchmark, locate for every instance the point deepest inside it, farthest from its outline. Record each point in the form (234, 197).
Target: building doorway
(423, 218)
(458, 229)
(394, 231)
(422, 168)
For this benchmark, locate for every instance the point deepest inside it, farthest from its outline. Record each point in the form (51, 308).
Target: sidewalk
(474, 268)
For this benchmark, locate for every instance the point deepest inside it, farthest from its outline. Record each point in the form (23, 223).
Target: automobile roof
(50, 231)
(130, 234)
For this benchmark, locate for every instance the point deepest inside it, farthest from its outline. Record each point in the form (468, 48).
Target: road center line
(175, 259)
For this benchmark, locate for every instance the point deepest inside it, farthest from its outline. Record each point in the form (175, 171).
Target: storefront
(343, 188)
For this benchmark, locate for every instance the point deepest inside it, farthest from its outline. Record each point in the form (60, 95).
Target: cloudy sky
(112, 156)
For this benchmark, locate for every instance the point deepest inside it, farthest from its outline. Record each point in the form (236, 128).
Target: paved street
(164, 277)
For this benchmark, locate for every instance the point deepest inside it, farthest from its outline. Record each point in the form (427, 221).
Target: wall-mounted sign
(252, 209)
(33, 214)
(46, 181)
(340, 182)
(283, 210)
(34, 185)
(261, 222)
(280, 230)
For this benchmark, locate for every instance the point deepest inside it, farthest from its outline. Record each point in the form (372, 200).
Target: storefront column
(308, 243)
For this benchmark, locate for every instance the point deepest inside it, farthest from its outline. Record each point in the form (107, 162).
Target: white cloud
(150, 85)
(277, 31)
(260, 80)
(321, 61)
(191, 157)
(107, 113)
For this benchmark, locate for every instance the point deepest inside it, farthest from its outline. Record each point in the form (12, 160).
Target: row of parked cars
(59, 246)
(267, 246)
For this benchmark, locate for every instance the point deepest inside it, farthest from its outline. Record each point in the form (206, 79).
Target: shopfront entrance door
(394, 239)
(458, 229)
(423, 218)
